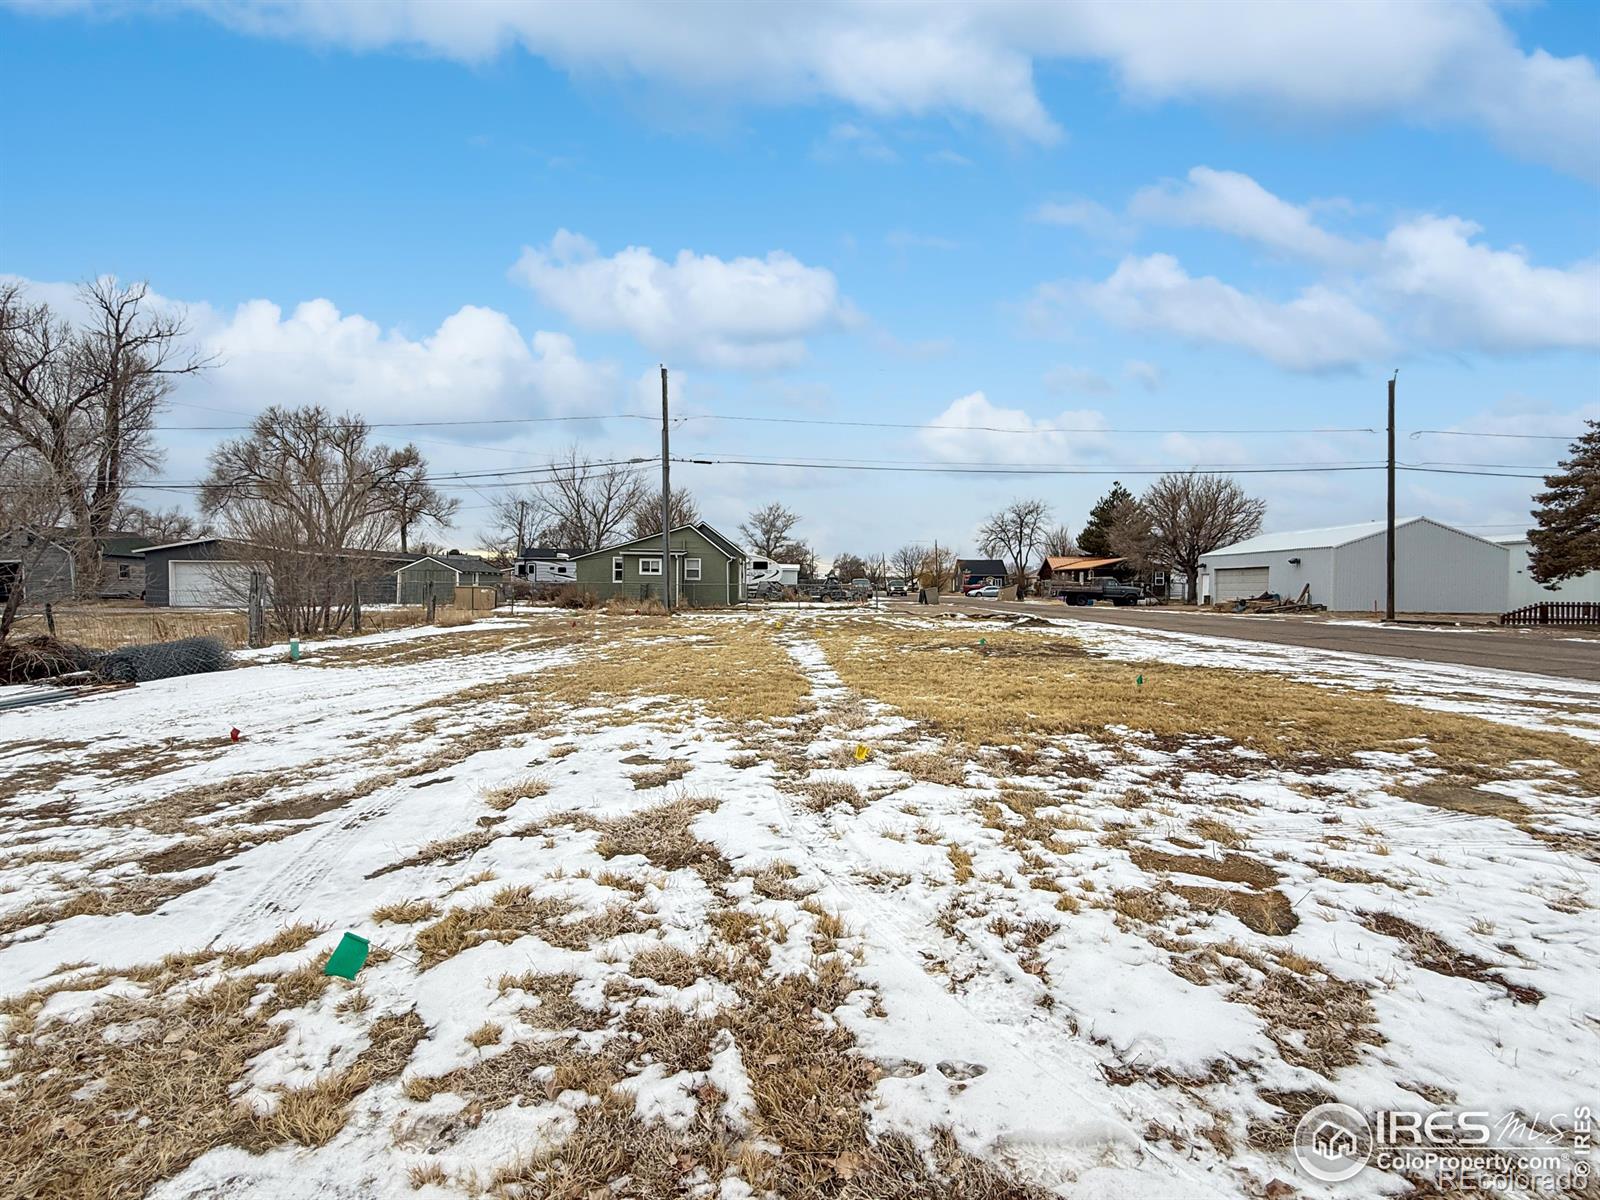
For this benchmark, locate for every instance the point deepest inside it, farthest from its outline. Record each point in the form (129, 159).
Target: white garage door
(1235, 582)
(207, 584)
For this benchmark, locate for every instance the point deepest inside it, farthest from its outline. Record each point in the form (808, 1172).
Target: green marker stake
(294, 649)
(348, 957)
(1139, 681)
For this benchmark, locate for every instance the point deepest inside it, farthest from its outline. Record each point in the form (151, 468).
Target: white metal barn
(1524, 589)
(1437, 568)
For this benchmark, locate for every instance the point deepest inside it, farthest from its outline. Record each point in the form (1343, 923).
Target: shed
(1437, 568)
(707, 568)
(1522, 588)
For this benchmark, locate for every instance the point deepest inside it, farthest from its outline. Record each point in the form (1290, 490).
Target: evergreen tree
(1566, 532)
(1094, 539)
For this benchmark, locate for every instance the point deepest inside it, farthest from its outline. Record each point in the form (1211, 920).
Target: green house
(707, 568)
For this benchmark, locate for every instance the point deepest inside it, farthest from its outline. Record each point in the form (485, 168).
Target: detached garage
(200, 573)
(1437, 568)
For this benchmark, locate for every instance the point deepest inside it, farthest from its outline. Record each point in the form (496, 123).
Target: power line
(1024, 470)
(1035, 429)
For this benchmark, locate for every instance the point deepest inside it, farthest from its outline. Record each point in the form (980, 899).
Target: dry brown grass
(108, 1103)
(825, 793)
(406, 912)
(530, 787)
(662, 833)
(930, 767)
(1432, 953)
(932, 675)
(515, 912)
(109, 627)
(660, 776)
(138, 895)
(734, 670)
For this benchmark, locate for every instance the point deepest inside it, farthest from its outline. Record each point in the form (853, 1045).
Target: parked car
(897, 587)
(986, 591)
(862, 588)
(1102, 587)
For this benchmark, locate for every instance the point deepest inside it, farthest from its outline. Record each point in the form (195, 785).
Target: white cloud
(1319, 329)
(1459, 292)
(1093, 219)
(846, 139)
(1236, 204)
(741, 312)
(475, 364)
(974, 430)
(1447, 62)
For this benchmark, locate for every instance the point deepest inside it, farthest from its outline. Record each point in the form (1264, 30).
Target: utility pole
(1388, 549)
(666, 504)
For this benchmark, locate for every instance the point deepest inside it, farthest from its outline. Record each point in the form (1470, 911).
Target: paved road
(1506, 650)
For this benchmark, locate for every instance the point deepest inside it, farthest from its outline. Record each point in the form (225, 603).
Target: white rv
(759, 572)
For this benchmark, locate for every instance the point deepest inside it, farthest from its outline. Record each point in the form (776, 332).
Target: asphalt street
(1538, 653)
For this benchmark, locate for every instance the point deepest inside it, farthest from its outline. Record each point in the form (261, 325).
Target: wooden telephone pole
(1388, 549)
(666, 504)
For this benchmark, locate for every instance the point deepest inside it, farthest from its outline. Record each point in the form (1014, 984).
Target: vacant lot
(842, 904)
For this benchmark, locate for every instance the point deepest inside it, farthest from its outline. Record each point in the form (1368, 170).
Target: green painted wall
(719, 577)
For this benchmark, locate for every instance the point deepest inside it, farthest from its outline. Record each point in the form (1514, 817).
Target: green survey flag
(348, 957)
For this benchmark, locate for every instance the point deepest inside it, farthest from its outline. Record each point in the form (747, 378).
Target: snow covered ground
(736, 906)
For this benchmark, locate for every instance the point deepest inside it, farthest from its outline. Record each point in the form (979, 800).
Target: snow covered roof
(1311, 539)
(1508, 539)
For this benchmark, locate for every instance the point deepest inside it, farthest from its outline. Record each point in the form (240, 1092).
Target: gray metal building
(1437, 568)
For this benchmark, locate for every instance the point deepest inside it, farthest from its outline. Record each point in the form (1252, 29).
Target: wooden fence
(1554, 612)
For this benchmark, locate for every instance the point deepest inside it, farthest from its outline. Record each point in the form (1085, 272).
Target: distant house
(973, 572)
(546, 564)
(214, 572)
(708, 568)
(437, 576)
(1058, 570)
(43, 564)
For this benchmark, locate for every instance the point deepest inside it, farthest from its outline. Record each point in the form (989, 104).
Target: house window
(616, 570)
(124, 571)
(649, 566)
(691, 569)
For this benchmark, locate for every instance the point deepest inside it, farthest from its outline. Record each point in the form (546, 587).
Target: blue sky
(1083, 217)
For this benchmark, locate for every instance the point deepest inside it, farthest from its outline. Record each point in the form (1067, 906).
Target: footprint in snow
(961, 1070)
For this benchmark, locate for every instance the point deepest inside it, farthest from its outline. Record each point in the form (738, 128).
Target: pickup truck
(897, 587)
(861, 589)
(1101, 587)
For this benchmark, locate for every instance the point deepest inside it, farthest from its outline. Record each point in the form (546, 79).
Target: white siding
(1436, 569)
(1524, 589)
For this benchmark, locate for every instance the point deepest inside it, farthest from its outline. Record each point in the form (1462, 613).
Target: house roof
(458, 563)
(982, 566)
(729, 549)
(1322, 539)
(202, 541)
(123, 543)
(1076, 562)
(1507, 539)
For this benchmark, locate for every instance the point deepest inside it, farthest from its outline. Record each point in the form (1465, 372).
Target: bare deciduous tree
(769, 529)
(310, 496)
(938, 567)
(908, 560)
(83, 398)
(586, 505)
(646, 518)
(414, 500)
(1013, 535)
(1057, 542)
(847, 566)
(1188, 515)
(161, 525)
